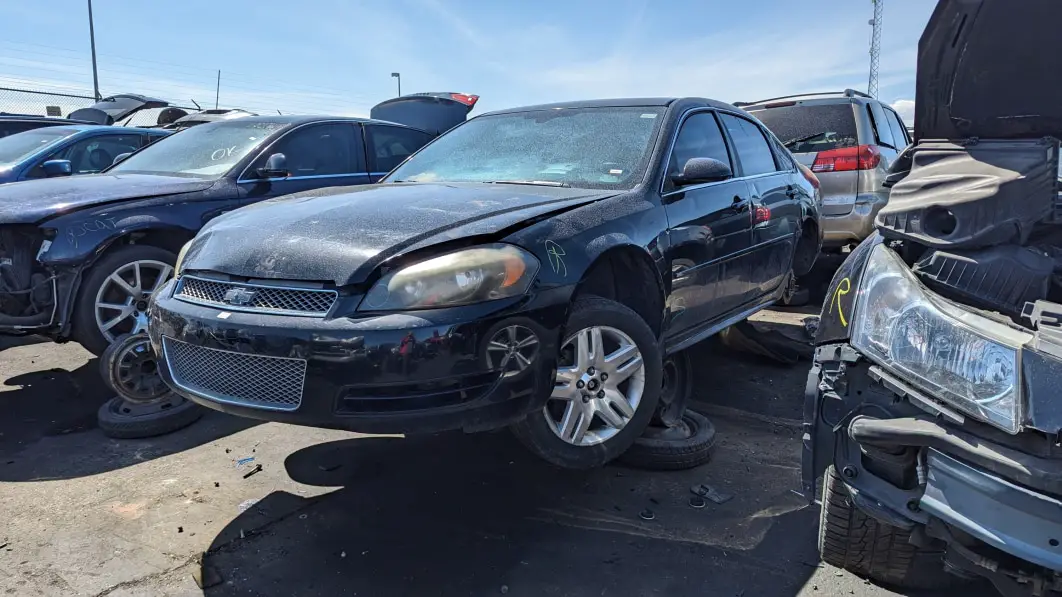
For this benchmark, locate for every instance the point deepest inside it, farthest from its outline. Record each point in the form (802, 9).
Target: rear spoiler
(434, 112)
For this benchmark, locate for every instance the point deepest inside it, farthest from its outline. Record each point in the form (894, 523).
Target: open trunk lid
(989, 69)
(110, 110)
(434, 112)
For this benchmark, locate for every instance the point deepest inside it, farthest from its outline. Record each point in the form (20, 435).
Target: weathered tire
(661, 454)
(535, 432)
(118, 419)
(853, 541)
(85, 330)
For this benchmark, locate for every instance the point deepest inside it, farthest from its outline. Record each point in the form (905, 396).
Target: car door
(324, 154)
(387, 146)
(709, 229)
(775, 209)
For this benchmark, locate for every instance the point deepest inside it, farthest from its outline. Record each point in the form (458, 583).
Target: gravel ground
(335, 513)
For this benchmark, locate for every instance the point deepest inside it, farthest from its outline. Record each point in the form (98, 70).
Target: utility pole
(399, 77)
(92, 42)
(875, 48)
(217, 95)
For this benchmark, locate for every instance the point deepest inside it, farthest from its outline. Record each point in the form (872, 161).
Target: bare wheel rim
(599, 385)
(121, 302)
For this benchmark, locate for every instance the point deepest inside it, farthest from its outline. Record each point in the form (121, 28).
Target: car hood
(341, 235)
(31, 201)
(989, 69)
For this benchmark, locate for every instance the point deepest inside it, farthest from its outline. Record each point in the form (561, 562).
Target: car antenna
(197, 106)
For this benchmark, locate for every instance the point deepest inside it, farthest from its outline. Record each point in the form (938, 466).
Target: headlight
(459, 278)
(965, 359)
(180, 258)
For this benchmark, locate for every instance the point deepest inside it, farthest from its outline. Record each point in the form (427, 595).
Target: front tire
(606, 389)
(851, 540)
(112, 300)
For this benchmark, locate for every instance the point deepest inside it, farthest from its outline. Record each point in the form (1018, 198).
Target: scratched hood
(989, 69)
(341, 235)
(34, 200)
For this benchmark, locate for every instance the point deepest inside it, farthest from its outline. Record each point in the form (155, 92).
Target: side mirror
(276, 166)
(121, 158)
(702, 170)
(53, 168)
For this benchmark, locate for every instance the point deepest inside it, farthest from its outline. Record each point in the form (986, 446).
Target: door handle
(739, 204)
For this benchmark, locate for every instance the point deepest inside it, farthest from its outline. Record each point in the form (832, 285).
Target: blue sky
(336, 56)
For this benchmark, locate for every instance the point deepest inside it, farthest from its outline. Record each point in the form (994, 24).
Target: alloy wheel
(121, 303)
(599, 385)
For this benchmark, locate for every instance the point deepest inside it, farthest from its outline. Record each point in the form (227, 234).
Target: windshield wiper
(537, 183)
(792, 142)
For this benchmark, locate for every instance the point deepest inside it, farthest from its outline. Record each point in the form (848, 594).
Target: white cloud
(905, 108)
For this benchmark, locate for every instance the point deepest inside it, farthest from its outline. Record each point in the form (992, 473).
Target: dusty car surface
(849, 140)
(80, 256)
(932, 411)
(531, 267)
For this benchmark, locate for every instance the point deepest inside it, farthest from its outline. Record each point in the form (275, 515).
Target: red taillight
(810, 176)
(863, 157)
(464, 98)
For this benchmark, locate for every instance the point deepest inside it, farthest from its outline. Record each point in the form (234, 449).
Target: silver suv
(848, 139)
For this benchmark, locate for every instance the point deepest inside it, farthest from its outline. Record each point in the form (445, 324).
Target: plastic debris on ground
(711, 493)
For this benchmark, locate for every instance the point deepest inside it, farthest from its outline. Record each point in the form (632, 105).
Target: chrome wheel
(599, 385)
(121, 303)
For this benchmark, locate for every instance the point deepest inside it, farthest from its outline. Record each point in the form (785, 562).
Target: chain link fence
(60, 104)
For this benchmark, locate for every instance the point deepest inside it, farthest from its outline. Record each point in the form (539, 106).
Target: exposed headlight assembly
(962, 358)
(460, 278)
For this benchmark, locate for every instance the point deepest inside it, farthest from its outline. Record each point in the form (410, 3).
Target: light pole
(92, 42)
(399, 77)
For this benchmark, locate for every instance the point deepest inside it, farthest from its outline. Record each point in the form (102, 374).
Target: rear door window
(92, 155)
(810, 128)
(750, 145)
(899, 132)
(881, 126)
(389, 146)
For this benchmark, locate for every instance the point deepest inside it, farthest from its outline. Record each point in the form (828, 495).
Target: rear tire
(853, 541)
(541, 430)
(124, 420)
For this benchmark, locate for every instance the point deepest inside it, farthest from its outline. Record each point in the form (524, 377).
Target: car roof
(295, 119)
(617, 103)
(81, 128)
(4, 117)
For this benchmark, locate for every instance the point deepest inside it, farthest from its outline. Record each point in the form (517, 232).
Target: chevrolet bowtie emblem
(238, 296)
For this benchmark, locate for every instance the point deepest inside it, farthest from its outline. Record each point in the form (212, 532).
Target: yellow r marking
(843, 288)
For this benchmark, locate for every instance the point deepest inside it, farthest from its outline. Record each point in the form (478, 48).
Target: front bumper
(423, 371)
(854, 226)
(905, 468)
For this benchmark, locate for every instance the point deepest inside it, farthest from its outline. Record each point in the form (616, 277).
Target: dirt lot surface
(334, 513)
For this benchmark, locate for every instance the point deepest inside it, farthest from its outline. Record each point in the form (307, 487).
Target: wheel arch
(619, 272)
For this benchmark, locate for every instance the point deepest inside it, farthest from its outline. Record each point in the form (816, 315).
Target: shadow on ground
(56, 404)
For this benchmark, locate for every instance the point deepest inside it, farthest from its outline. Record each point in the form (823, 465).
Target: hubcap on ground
(600, 381)
(121, 303)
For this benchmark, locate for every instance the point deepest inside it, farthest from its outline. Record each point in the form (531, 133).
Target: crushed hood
(990, 69)
(34, 200)
(340, 235)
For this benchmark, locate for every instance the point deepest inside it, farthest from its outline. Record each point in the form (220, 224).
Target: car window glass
(389, 146)
(899, 134)
(699, 137)
(750, 145)
(782, 156)
(811, 128)
(881, 126)
(317, 150)
(91, 155)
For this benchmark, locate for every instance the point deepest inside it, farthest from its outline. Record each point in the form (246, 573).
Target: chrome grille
(254, 297)
(273, 383)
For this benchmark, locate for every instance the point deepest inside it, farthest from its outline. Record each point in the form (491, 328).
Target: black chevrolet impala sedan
(532, 267)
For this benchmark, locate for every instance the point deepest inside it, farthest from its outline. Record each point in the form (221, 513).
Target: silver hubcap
(600, 380)
(121, 303)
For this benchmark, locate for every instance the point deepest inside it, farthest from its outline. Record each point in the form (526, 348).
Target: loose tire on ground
(121, 420)
(853, 541)
(85, 329)
(664, 454)
(538, 434)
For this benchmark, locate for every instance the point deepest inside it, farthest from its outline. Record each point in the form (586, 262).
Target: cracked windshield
(467, 298)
